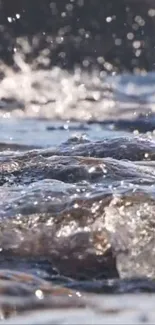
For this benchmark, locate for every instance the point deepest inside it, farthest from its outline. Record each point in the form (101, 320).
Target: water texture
(77, 163)
(77, 193)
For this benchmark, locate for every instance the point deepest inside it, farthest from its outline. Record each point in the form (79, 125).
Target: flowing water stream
(77, 197)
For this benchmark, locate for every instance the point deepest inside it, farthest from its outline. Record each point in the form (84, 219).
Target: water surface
(77, 193)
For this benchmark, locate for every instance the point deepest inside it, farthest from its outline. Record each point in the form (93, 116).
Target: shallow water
(77, 192)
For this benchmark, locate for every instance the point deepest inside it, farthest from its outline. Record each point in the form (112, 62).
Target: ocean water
(77, 197)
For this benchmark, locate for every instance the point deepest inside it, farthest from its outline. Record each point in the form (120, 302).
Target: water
(77, 196)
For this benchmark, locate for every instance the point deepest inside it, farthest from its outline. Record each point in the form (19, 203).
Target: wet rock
(117, 148)
(130, 221)
(121, 148)
(77, 169)
(89, 218)
(21, 292)
(73, 248)
(83, 229)
(114, 286)
(83, 234)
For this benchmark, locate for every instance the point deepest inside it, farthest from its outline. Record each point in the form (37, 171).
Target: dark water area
(77, 162)
(111, 35)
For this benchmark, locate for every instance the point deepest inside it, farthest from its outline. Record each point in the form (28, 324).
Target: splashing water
(77, 195)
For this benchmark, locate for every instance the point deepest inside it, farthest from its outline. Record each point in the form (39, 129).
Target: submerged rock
(89, 217)
(80, 215)
(21, 292)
